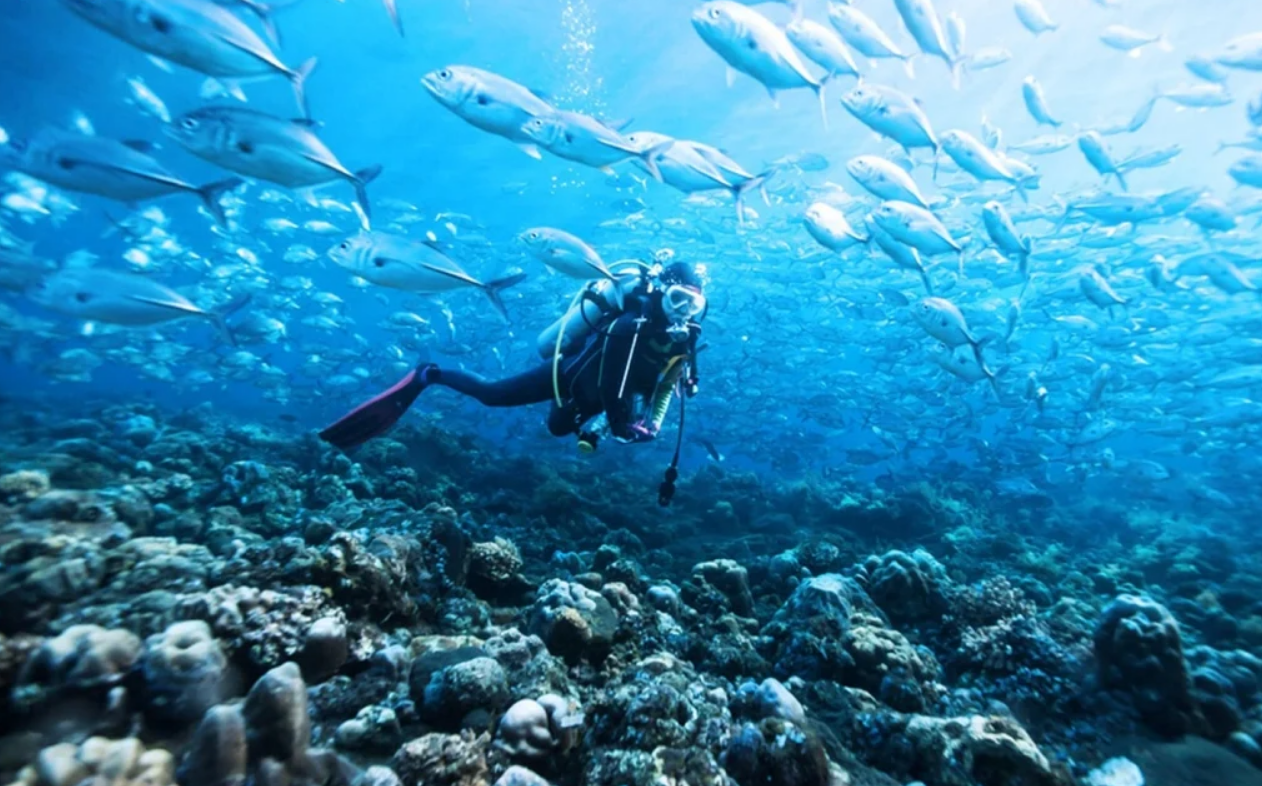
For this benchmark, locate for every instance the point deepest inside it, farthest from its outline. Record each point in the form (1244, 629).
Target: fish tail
(909, 66)
(1121, 181)
(393, 9)
(924, 278)
(759, 182)
(494, 288)
(362, 178)
(220, 317)
(264, 13)
(299, 80)
(957, 68)
(211, 193)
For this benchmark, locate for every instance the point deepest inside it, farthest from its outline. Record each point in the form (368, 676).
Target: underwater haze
(835, 392)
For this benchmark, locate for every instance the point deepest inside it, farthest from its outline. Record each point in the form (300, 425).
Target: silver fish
(122, 171)
(399, 262)
(123, 299)
(254, 144)
(198, 34)
(488, 101)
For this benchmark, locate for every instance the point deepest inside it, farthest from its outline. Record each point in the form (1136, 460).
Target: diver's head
(683, 297)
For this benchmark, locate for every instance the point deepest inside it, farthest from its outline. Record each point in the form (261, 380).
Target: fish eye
(188, 123)
(82, 297)
(716, 13)
(344, 245)
(445, 74)
(534, 235)
(379, 262)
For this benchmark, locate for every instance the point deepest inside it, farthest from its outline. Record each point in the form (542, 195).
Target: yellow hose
(556, 351)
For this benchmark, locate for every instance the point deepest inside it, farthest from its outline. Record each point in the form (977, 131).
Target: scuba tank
(589, 309)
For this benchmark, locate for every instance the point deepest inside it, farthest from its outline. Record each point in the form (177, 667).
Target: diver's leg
(530, 387)
(375, 416)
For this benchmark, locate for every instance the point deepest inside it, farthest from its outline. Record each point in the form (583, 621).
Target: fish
(829, 227)
(891, 113)
(1044, 145)
(146, 100)
(252, 143)
(1130, 40)
(1211, 215)
(1247, 171)
(1003, 233)
(904, 256)
(692, 167)
(822, 46)
(885, 180)
(565, 253)
(956, 32)
(198, 34)
(1034, 17)
(917, 227)
(864, 35)
(988, 58)
(122, 171)
(1098, 290)
(1036, 102)
(963, 363)
(581, 138)
(1150, 159)
(1204, 67)
(400, 262)
(1200, 95)
(944, 321)
(1243, 52)
(921, 20)
(711, 450)
(752, 44)
(127, 299)
(1098, 155)
(978, 160)
(489, 102)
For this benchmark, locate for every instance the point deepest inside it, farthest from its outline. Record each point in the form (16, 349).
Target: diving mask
(682, 304)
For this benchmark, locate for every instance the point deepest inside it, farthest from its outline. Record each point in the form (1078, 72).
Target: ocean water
(1056, 417)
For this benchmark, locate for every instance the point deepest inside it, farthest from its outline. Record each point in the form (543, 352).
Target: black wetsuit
(590, 378)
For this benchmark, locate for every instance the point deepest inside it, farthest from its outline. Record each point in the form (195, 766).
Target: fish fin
(264, 13)
(617, 125)
(619, 144)
(608, 170)
(648, 155)
(299, 80)
(307, 122)
(191, 310)
(823, 105)
(775, 97)
(494, 288)
(220, 317)
(210, 196)
(1121, 181)
(924, 278)
(161, 64)
(909, 66)
(740, 190)
(140, 145)
(361, 180)
(531, 150)
(392, 8)
(730, 75)
(957, 67)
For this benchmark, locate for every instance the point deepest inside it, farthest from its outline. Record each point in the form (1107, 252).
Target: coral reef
(194, 600)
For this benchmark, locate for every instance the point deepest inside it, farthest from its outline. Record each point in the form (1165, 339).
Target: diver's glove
(640, 431)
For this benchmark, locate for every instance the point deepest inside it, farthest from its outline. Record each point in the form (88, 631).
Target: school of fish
(911, 300)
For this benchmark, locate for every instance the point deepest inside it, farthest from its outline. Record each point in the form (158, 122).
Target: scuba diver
(624, 341)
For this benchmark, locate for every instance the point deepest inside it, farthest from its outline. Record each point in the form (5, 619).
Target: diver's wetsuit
(589, 379)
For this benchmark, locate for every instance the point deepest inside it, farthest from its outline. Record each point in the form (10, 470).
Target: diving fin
(377, 415)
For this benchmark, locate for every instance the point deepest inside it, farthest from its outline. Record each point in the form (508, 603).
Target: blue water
(807, 363)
